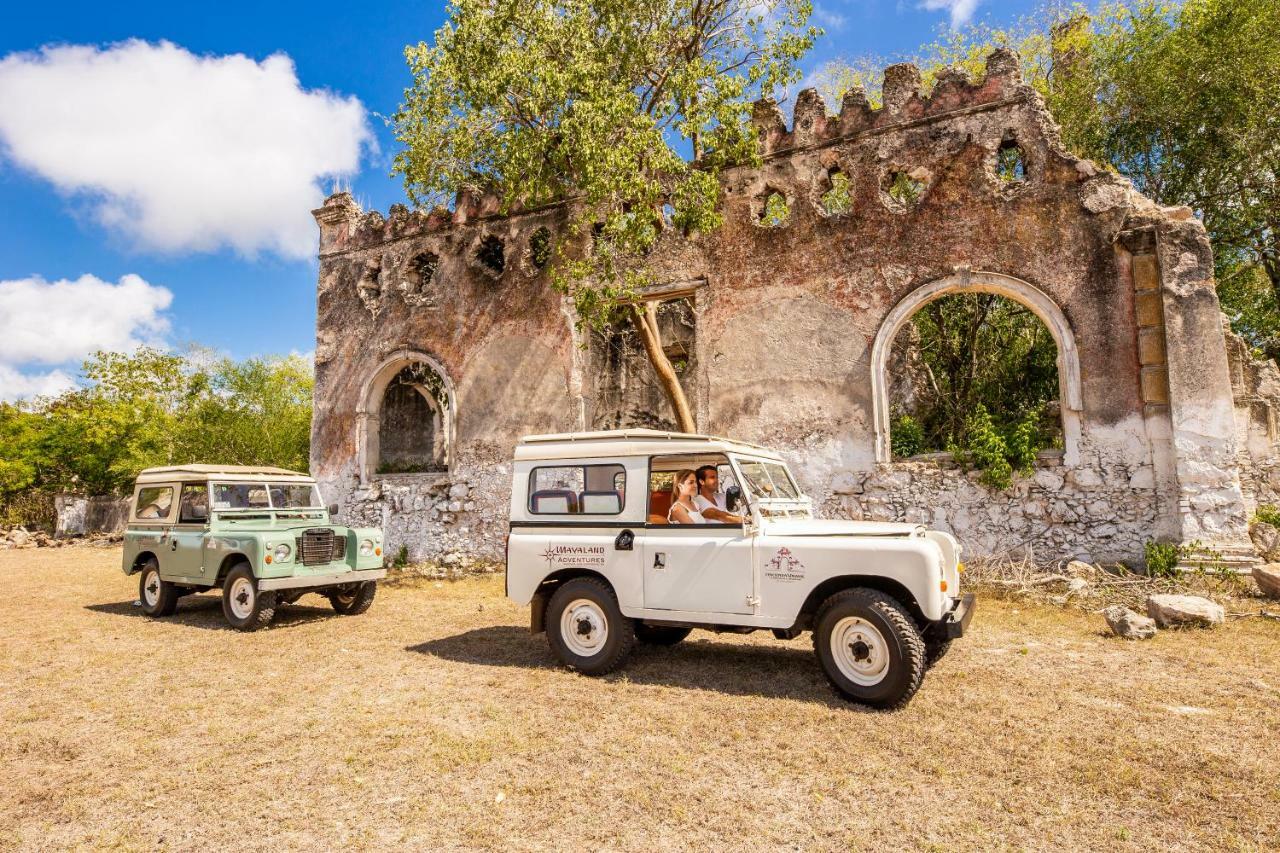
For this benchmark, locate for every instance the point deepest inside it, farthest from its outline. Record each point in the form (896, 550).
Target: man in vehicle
(709, 500)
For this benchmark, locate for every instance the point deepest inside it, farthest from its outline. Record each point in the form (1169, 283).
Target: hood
(836, 527)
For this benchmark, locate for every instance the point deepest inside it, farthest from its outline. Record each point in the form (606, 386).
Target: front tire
(158, 596)
(660, 635)
(586, 628)
(870, 648)
(353, 599)
(245, 606)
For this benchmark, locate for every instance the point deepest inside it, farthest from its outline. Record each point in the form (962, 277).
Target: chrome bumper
(322, 580)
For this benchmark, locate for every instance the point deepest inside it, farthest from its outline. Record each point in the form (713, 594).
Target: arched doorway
(1035, 300)
(405, 422)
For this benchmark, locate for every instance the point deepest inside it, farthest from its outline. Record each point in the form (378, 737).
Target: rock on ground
(1128, 624)
(1268, 579)
(1172, 610)
(1266, 540)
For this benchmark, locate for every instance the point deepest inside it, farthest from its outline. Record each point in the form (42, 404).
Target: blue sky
(160, 194)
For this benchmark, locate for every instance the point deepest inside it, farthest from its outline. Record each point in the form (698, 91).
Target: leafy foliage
(906, 436)
(1161, 558)
(839, 199)
(1267, 514)
(904, 189)
(776, 211)
(153, 408)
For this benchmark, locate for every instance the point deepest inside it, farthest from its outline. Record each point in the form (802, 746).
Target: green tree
(626, 109)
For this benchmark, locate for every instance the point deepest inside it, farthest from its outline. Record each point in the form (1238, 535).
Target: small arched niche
(1046, 311)
(406, 419)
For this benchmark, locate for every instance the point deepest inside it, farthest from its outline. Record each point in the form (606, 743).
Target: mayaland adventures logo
(574, 555)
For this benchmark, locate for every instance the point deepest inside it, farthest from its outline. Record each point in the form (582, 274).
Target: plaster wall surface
(779, 330)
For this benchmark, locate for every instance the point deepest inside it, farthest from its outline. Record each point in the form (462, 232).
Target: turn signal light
(268, 558)
(377, 551)
(960, 568)
(944, 586)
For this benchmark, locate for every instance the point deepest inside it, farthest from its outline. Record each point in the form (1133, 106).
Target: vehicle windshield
(266, 496)
(768, 479)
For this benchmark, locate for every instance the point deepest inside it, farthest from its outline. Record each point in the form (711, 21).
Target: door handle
(660, 560)
(173, 545)
(624, 541)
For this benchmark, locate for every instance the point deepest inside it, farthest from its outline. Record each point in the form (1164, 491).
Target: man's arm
(713, 513)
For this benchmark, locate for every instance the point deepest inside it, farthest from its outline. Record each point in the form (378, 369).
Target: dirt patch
(435, 721)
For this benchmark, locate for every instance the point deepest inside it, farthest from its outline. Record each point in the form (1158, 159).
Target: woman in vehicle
(683, 488)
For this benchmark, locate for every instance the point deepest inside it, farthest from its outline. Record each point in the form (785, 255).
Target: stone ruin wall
(786, 330)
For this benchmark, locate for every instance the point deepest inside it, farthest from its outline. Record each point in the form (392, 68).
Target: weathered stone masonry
(786, 333)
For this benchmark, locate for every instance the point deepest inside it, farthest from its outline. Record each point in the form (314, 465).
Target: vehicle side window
(154, 502)
(193, 506)
(577, 490)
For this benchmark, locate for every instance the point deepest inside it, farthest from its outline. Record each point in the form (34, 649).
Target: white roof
(251, 473)
(630, 442)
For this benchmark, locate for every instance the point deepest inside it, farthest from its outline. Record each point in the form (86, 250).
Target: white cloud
(961, 10)
(22, 386)
(182, 152)
(60, 322)
(829, 19)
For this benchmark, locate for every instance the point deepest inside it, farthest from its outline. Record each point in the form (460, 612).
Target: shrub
(906, 436)
(402, 557)
(1267, 514)
(1162, 558)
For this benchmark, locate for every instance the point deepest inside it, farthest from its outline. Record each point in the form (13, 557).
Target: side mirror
(333, 510)
(732, 497)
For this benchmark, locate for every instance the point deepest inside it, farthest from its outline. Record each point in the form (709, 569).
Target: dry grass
(436, 722)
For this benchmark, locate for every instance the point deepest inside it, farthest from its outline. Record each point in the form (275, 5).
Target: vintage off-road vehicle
(261, 534)
(594, 550)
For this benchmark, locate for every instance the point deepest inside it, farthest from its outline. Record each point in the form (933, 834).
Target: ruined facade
(783, 335)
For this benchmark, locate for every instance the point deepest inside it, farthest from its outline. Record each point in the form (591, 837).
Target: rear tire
(586, 628)
(660, 635)
(870, 648)
(246, 607)
(934, 649)
(353, 599)
(158, 596)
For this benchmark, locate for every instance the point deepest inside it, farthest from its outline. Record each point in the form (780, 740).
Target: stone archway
(438, 399)
(1035, 300)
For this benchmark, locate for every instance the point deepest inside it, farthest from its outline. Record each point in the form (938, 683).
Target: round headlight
(366, 548)
(282, 552)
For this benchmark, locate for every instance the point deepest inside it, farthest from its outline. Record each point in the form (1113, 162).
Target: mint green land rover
(262, 535)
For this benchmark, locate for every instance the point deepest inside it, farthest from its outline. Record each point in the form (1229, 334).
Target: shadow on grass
(699, 663)
(205, 611)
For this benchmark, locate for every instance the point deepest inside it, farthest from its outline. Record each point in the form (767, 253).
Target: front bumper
(955, 622)
(333, 579)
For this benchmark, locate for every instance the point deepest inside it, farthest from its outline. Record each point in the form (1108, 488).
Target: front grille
(340, 548)
(316, 546)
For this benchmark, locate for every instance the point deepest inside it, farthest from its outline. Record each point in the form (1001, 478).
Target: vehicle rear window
(154, 503)
(578, 490)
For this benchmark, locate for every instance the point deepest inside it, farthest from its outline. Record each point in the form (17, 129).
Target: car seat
(553, 501)
(600, 503)
(659, 506)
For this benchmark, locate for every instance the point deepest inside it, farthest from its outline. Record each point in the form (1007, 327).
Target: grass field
(435, 721)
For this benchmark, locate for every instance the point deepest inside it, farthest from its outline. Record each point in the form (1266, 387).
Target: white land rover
(595, 549)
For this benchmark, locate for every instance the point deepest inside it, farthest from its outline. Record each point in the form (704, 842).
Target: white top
(632, 442)
(694, 515)
(720, 502)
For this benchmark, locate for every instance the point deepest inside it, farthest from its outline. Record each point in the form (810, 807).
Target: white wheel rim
(584, 628)
(860, 651)
(151, 587)
(241, 598)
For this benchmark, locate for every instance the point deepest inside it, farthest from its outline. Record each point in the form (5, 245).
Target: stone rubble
(1267, 577)
(1266, 540)
(1184, 610)
(1128, 624)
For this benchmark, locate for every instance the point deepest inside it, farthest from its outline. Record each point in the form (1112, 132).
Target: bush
(1162, 558)
(1267, 514)
(906, 436)
(402, 558)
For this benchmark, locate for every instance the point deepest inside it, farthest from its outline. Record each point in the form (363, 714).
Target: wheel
(869, 648)
(354, 598)
(934, 649)
(660, 635)
(244, 605)
(158, 597)
(586, 629)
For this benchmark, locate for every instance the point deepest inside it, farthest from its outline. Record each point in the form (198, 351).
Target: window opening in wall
(1010, 164)
(837, 200)
(411, 423)
(492, 254)
(577, 490)
(540, 248)
(975, 375)
(423, 267)
(772, 209)
(903, 190)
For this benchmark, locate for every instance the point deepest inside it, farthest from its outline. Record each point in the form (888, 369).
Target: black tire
(352, 599)
(660, 635)
(934, 649)
(255, 607)
(596, 603)
(893, 638)
(158, 596)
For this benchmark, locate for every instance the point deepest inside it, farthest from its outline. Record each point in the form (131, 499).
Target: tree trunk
(644, 316)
